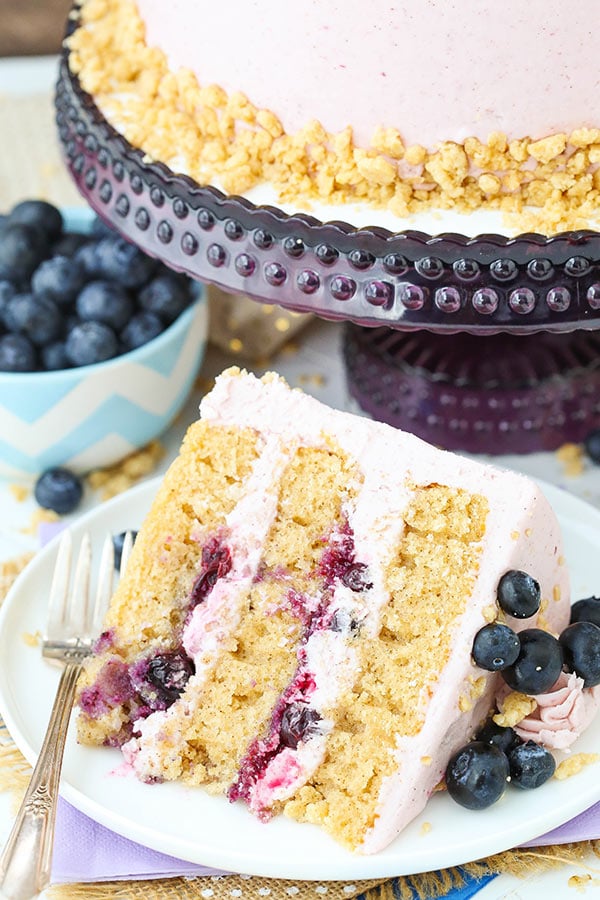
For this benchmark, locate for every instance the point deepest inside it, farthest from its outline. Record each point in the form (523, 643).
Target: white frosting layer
(432, 69)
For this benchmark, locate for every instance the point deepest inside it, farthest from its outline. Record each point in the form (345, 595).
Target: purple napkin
(86, 851)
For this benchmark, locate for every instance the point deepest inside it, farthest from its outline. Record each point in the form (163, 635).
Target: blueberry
(39, 213)
(530, 765)
(58, 489)
(121, 261)
(580, 644)
(586, 610)
(165, 295)
(105, 301)
(68, 244)
(59, 279)
(36, 317)
(118, 541)
(519, 594)
(298, 723)
(89, 343)
(87, 257)
(17, 354)
(7, 292)
(22, 248)
(476, 775)
(495, 647)
(355, 578)
(591, 445)
(54, 357)
(168, 673)
(538, 665)
(499, 736)
(141, 328)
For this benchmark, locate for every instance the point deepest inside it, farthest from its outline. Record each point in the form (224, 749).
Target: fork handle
(26, 860)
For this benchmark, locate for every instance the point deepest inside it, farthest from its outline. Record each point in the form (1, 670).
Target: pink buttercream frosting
(434, 70)
(562, 713)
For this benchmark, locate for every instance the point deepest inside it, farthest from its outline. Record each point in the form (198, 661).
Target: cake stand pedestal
(518, 312)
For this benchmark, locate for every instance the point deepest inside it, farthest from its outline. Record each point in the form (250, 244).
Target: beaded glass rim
(370, 276)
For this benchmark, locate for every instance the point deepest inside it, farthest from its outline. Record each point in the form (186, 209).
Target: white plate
(187, 823)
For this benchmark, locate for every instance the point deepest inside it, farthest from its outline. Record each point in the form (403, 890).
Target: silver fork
(74, 622)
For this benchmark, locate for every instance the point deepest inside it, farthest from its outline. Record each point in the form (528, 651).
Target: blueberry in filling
(298, 723)
(162, 678)
(216, 563)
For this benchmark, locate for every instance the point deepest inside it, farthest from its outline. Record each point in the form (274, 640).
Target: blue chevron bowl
(92, 416)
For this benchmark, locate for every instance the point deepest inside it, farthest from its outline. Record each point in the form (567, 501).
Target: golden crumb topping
(549, 185)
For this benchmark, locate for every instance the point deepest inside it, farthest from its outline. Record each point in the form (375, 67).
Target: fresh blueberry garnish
(476, 775)
(298, 723)
(538, 664)
(500, 736)
(519, 594)
(58, 489)
(586, 610)
(91, 342)
(530, 765)
(17, 354)
(59, 279)
(580, 644)
(104, 301)
(39, 213)
(118, 541)
(592, 445)
(495, 647)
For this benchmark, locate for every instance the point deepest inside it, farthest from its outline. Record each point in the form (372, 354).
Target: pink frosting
(432, 69)
(562, 714)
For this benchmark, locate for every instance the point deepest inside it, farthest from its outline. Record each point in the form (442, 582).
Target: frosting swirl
(561, 713)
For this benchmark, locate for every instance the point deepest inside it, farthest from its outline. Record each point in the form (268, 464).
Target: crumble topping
(548, 185)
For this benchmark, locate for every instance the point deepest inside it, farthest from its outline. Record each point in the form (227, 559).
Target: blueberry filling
(159, 680)
(298, 723)
(111, 688)
(149, 684)
(216, 563)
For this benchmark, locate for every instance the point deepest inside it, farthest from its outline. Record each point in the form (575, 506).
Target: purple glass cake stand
(407, 281)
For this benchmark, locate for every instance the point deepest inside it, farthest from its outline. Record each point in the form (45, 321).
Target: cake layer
(296, 623)
(410, 108)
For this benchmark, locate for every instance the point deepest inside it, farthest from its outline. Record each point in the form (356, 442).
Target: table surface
(313, 362)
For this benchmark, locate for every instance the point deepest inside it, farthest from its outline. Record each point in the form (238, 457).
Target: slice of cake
(296, 624)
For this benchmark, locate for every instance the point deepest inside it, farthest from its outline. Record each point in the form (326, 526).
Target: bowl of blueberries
(99, 343)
